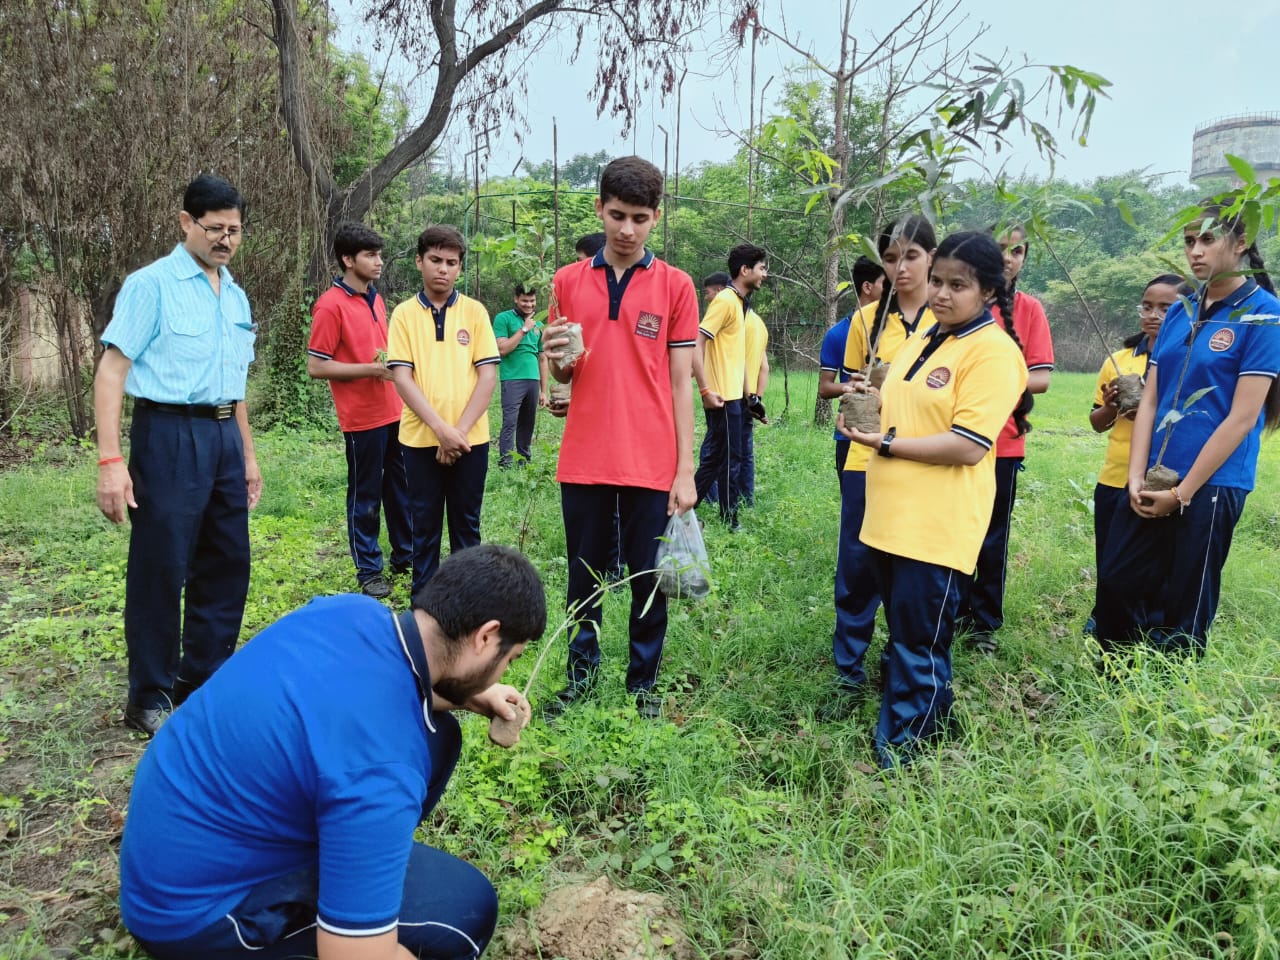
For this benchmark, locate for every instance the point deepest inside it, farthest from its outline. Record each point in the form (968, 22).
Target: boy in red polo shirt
(348, 348)
(628, 437)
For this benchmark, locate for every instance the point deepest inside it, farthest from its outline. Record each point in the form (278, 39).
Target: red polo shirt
(1032, 327)
(621, 426)
(351, 327)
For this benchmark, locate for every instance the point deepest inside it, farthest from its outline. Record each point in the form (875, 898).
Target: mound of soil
(597, 921)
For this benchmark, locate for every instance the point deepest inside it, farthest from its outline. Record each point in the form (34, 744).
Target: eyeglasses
(1152, 310)
(217, 233)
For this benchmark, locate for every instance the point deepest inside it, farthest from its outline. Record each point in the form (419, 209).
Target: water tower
(1254, 137)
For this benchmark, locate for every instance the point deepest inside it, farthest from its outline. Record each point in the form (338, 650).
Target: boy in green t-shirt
(523, 374)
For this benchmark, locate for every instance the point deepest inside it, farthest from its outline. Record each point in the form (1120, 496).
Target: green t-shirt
(522, 362)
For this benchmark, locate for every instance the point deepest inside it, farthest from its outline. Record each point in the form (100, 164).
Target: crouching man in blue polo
(273, 815)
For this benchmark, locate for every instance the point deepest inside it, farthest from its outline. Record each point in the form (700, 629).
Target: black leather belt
(204, 411)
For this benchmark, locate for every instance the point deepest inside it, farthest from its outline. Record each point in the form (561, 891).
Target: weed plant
(1073, 816)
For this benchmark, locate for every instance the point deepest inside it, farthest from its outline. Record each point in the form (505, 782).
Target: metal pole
(555, 186)
(476, 232)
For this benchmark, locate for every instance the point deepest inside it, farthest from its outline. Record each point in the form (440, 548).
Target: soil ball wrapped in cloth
(573, 348)
(1128, 392)
(861, 411)
(506, 733)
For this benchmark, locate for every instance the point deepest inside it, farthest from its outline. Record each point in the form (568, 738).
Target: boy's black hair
(717, 279)
(440, 237)
(1170, 279)
(589, 245)
(207, 192)
(482, 583)
(523, 289)
(633, 181)
(865, 270)
(353, 239)
(745, 256)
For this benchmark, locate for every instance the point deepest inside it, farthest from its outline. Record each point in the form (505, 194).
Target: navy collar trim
(973, 326)
(411, 643)
(438, 315)
(646, 261)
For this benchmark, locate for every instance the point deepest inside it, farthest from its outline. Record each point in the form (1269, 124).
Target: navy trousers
(588, 529)
(920, 603)
(436, 492)
(982, 599)
(1106, 501)
(747, 465)
(857, 592)
(721, 454)
(842, 454)
(1159, 580)
(376, 484)
(188, 573)
(519, 414)
(448, 911)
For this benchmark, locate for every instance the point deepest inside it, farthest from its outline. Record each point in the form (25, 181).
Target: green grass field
(1072, 817)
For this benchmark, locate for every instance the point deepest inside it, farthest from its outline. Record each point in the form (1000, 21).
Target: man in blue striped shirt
(180, 342)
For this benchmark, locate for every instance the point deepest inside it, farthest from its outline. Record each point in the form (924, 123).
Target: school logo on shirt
(1222, 340)
(464, 338)
(648, 325)
(938, 378)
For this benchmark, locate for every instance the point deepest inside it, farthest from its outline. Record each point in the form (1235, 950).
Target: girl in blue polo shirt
(930, 489)
(1160, 579)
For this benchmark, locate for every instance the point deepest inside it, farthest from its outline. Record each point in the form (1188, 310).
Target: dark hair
(207, 192)
(914, 229)
(441, 238)
(1165, 279)
(745, 256)
(1005, 230)
(981, 254)
(717, 279)
(353, 239)
(865, 270)
(590, 245)
(1235, 224)
(524, 289)
(482, 583)
(633, 181)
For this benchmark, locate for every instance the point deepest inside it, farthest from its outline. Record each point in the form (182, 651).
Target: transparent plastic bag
(683, 568)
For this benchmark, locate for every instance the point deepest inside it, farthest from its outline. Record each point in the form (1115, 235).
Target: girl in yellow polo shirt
(1110, 495)
(931, 485)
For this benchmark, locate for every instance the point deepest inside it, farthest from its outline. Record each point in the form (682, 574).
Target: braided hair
(1235, 224)
(909, 230)
(982, 255)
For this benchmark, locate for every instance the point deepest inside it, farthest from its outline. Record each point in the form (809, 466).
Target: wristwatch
(887, 441)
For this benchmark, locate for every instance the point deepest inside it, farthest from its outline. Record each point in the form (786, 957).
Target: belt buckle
(224, 411)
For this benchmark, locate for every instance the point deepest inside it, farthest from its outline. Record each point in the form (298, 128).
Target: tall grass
(1071, 817)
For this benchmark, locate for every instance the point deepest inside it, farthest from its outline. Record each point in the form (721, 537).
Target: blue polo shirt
(309, 747)
(831, 356)
(1238, 338)
(187, 344)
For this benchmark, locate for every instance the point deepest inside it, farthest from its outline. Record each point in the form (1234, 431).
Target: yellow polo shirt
(757, 341)
(1115, 468)
(857, 348)
(725, 358)
(445, 349)
(929, 512)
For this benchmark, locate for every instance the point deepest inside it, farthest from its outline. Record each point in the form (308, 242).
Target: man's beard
(458, 690)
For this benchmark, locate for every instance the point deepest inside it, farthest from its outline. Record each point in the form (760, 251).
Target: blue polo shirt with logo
(1238, 337)
(308, 748)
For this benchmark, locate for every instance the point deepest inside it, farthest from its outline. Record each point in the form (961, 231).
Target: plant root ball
(1129, 386)
(506, 733)
(560, 392)
(573, 349)
(877, 375)
(861, 412)
(1160, 477)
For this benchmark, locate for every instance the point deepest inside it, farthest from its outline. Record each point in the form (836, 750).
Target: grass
(1072, 817)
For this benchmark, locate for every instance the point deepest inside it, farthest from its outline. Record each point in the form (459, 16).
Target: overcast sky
(1173, 65)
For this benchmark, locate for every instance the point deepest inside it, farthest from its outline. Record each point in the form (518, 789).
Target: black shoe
(182, 691)
(145, 720)
(983, 643)
(376, 587)
(615, 575)
(574, 693)
(649, 704)
(842, 703)
(401, 569)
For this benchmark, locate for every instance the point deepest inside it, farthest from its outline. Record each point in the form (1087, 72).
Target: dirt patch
(598, 921)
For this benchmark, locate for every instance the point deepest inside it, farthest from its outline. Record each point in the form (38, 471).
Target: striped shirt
(186, 343)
